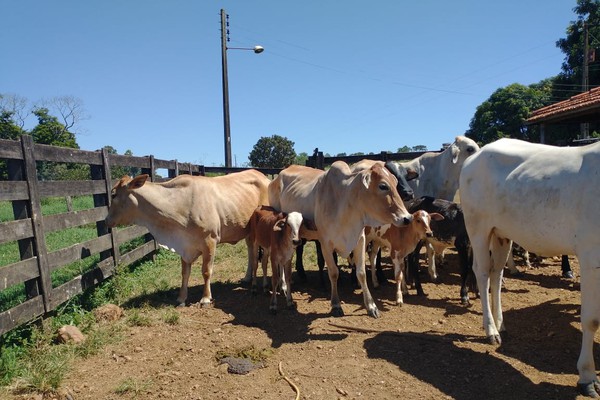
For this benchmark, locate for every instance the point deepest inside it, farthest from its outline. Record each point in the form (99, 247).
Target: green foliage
(274, 152)
(118, 172)
(301, 158)
(505, 112)
(133, 386)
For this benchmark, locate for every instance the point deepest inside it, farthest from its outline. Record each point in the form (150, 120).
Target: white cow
(341, 204)
(546, 199)
(438, 175)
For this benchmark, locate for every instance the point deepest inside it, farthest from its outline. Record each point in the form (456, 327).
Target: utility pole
(226, 127)
(585, 127)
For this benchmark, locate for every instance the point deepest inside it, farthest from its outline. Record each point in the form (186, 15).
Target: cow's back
(293, 190)
(540, 196)
(226, 203)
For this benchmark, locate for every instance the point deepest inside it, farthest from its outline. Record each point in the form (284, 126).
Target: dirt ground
(430, 348)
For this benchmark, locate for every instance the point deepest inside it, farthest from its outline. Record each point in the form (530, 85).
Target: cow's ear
(455, 152)
(436, 216)
(411, 174)
(137, 182)
(309, 224)
(366, 178)
(279, 225)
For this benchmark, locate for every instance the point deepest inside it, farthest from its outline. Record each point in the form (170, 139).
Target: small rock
(70, 334)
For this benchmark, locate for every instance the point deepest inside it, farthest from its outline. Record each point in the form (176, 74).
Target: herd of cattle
(543, 197)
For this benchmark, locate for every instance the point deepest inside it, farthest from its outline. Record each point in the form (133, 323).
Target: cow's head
(383, 203)
(422, 222)
(290, 225)
(403, 175)
(123, 204)
(462, 148)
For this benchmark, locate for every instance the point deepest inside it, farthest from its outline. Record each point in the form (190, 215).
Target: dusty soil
(430, 348)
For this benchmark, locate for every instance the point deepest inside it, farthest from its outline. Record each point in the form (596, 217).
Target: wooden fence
(29, 228)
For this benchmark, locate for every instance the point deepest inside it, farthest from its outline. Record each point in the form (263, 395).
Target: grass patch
(132, 386)
(138, 318)
(170, 316)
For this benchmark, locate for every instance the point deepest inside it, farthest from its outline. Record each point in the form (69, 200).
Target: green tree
(505, 112)
(419, 147)
(8, 128)
(569, 81)
(272, 152)
(50, 131)
(301, 158)
(404, 149)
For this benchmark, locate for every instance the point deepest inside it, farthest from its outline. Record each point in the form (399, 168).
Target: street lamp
(224, 48)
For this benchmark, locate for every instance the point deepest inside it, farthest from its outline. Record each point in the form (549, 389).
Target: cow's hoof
(291, 306)
(568, 275)
(374, 312)
(205, 303)
(180, 304)
(464, 300)
(495, 339)
(273, 310)
(337, 312)
(589, 389)
(399, 302)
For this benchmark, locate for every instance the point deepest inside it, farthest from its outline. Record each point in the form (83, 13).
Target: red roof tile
(576, 106)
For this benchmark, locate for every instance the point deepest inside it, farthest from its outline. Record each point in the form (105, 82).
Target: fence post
(37, 220)
(98, 173)
(16, 172)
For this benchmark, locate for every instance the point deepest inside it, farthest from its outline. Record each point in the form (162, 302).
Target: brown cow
(191, 215)
(278, 234)
(341, 204)
(401, 242)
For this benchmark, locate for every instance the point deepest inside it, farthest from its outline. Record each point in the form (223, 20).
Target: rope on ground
(288, 380)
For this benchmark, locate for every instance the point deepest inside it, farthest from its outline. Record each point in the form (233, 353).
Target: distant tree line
(58, 121)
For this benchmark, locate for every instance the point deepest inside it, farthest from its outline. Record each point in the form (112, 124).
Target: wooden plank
(80, 283)
(73, 219)
(129, 161)
(77, 252)
(70, 188)
(21, 314)
(44, 152)
(131, 232)
(13, 191)
(11, 149)
(18, 272)
(15, 230)
(137, 253)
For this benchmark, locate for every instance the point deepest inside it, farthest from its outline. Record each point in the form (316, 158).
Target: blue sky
(343, 76)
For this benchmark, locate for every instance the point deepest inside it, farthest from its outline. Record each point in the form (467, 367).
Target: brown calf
(401, 241)
(278, 234)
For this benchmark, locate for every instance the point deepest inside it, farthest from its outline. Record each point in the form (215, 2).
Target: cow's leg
(254, 267)
(566, 267)
(379, 269)
(482, 265)
(500, 249)
(466, 269)
(359, 257)
(333, 272)
(373, 252)
(588, 383)
(431, 268)
(299, 265)
(275, 278)
(320, 262)
(252, 257)
(264, 263)
(207, 269)
(510, 263)
(186, 269)
(287, 289)
(401, 287)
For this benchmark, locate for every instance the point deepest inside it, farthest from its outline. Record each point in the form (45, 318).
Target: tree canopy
(275, 152)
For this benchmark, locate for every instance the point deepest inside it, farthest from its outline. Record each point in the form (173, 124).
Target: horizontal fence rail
(36, 278)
